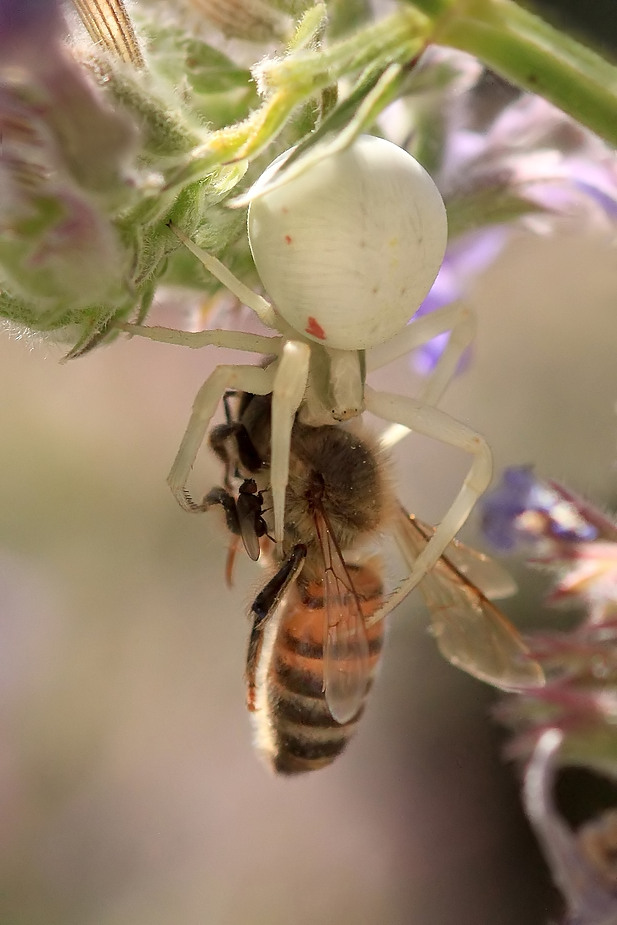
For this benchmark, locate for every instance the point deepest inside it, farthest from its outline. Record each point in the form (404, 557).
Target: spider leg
(428, 420)
(254, 379)
(455, 318)
(257, 303)
(288, 391)
(232, 340)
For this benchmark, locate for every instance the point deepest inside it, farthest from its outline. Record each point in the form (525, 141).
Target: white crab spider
(347, 250)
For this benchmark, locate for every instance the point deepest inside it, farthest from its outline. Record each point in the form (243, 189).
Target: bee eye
(348, 249)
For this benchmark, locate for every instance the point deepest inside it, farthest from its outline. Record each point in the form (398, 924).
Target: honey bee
(318, 624)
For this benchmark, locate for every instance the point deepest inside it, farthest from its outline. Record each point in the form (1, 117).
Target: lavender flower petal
(524, 510)
(590, 898)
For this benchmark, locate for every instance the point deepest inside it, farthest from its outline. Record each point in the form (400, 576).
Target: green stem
(290, 81)
(397, 38)
(531, 54)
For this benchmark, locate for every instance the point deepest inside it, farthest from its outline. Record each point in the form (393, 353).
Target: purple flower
(63, 178)
(562, 532)
(523, 510)
(534, 154)
(590, 576)
(572, 718)
(530, 166)
(31, 34)
(582, 864)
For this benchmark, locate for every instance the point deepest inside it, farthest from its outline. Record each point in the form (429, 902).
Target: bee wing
(470, 631)
(346, 647)
(493, 579)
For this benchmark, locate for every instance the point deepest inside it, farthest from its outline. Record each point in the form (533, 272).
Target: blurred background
(591, 22)
(129, 790)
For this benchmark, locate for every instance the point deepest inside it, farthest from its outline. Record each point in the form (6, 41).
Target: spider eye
(348, 249)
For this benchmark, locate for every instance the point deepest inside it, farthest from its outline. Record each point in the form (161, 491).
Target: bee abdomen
(304, 734)
(310, 649)
(301, 733)
(295, 752)
(294, 728)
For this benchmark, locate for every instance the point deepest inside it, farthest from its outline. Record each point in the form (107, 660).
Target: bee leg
(253, 379)
(459, 320)
(231, 558)
(437, 424)
(223, 441)
(264, 608)
(222, 496)
(289, 387)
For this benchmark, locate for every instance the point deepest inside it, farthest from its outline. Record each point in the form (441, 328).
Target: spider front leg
(230, 340)
(455, 318)
(254, 379)
(428, 420)
(257, 380)
(286, 380)
(287, 395)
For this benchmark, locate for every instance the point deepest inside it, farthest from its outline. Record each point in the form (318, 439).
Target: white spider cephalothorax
(347, 251)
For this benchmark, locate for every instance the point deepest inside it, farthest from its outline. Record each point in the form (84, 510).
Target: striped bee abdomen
(294, 729)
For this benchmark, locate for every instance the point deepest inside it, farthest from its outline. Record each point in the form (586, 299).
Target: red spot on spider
(288, 239)
(315, 329)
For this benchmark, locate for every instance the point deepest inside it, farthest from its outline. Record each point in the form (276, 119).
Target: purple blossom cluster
(524, 510)
(572, 720)
(63, 153)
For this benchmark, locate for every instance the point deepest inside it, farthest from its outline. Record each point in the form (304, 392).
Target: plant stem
(531, 54)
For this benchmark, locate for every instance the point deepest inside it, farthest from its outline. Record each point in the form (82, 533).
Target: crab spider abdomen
(348, 249)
